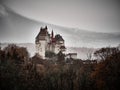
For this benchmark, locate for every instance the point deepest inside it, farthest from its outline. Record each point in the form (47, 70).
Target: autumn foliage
(18, 71)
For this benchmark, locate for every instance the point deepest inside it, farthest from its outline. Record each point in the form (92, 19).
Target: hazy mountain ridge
(18, 29)
(81, 51)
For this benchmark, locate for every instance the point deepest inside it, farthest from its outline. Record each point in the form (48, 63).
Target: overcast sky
(93, 15)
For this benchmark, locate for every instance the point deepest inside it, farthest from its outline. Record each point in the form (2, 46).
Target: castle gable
(42, 34)
(58, 37)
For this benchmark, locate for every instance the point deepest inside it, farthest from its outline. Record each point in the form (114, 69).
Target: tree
(107, 72)
(61, 57)
(49, 54)
(89, 54)
(16, 54)
(103, 53)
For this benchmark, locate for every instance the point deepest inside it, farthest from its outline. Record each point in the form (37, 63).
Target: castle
(48, 42)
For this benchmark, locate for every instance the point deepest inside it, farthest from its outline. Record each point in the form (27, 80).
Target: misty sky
(93, 15)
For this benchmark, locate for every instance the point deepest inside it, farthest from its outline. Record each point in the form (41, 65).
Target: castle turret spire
(52, 33)
(45, 27)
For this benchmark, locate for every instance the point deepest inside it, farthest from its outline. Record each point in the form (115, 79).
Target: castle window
(41, 49)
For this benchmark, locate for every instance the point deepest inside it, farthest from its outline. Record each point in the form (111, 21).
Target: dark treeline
(20, 72)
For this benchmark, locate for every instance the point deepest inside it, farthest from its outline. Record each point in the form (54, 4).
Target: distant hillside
(18, 29)
(81, 51)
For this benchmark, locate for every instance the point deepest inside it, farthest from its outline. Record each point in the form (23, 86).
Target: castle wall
(57, 48)
(41, 48)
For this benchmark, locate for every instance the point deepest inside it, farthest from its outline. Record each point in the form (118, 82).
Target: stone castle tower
(48, 42)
